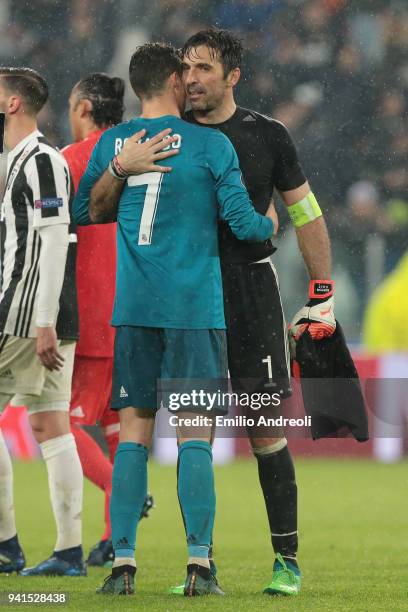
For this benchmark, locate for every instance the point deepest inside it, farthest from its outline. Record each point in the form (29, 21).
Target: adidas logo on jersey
(249, 118)
(123, 392)
(77, 411)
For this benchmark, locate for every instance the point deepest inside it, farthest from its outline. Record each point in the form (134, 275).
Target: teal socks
(197, 495)
(129, 489)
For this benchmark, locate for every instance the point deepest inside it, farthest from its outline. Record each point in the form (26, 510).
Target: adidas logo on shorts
(123, 392)
(7, 374)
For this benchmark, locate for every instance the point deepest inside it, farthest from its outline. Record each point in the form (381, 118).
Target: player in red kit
(95, 104)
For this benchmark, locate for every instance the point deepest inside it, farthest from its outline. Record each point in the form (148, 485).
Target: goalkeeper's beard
(206, 104)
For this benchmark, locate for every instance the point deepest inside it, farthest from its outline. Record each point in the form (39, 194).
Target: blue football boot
(12, 558)
(68, 562)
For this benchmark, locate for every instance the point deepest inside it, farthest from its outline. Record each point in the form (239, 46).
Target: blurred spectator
(175, 20)
(335, 71)
(357, 230)
(317, 48)
(304, 117)
(247, 15)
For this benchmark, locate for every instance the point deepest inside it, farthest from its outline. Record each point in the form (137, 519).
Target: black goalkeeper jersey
(268, 159)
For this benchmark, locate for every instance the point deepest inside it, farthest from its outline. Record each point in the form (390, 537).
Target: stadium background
(336, 72)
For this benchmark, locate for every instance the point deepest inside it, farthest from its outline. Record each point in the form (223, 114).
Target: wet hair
(28, 84)
(150, 67)
(106, 94)
(222, 44)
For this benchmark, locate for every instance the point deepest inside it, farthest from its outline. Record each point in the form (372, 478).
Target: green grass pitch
(352, 549)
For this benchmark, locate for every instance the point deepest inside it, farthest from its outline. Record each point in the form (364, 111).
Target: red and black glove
(317, 317)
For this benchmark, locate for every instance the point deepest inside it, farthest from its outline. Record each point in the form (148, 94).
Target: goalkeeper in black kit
(258, 354)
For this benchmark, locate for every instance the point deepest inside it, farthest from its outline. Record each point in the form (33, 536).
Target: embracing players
(168, 304)
(258, 357)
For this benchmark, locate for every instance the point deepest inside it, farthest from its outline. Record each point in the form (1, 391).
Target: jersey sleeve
(74, 164)
(93, 172)
(288, 171)
(234, 202)
(48, 178)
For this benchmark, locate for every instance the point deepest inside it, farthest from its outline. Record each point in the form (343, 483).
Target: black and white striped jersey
(38, 192)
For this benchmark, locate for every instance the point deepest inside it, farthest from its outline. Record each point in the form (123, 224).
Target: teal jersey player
(169, 304)
(168, 270)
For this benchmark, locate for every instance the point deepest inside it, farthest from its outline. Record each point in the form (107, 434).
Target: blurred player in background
(38, 319)
(95, 104)
(168, 303)
(258, 357)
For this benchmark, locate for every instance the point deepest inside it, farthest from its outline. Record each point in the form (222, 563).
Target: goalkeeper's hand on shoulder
(137, 157)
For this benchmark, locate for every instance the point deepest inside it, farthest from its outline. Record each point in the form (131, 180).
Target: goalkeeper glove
(317, 317)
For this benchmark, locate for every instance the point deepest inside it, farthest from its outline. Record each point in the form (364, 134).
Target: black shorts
(258, 351)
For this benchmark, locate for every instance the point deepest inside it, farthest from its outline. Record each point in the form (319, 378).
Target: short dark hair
(150, 67)
(28, 84)
(106, 94)
(222, 43)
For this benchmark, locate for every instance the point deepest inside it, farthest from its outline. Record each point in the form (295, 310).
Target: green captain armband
(305, 211)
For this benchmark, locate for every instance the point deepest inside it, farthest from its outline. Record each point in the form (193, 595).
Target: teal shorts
(151, 364)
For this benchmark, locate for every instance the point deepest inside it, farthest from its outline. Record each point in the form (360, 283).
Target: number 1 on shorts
(268, 361)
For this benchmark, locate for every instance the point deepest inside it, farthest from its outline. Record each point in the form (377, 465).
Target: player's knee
(41, 432)
(136, 425)
(191, 427)
(267, 446)
(48, 425)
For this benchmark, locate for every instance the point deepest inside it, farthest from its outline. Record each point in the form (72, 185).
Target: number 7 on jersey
(153, 180)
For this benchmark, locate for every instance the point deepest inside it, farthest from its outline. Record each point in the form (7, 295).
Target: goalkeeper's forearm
(104, 198)
(314, 244)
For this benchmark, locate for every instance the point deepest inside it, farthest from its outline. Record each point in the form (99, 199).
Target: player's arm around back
(235, 204)
(101, 187)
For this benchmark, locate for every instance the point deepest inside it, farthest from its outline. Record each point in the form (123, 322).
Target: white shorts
(24, 381)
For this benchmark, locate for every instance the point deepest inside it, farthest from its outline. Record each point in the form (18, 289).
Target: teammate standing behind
(38, 318)
(95, 104)
(256, 329)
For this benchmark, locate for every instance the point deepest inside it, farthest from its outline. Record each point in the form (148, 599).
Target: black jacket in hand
(331, 388)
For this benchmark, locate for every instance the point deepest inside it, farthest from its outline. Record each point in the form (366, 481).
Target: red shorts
(91, 392)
